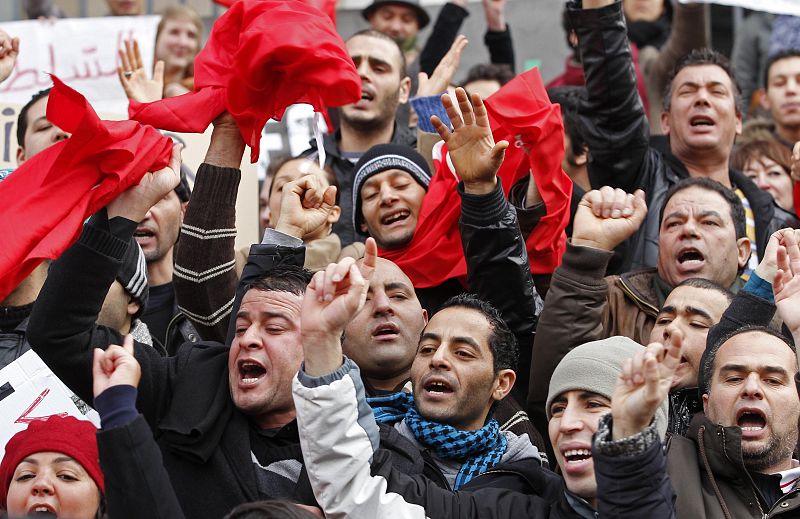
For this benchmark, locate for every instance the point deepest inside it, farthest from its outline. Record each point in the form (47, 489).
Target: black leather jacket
(618, 135)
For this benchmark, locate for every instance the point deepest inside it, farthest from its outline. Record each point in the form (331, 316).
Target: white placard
(770, 6)
(29, 391)
(82, 52)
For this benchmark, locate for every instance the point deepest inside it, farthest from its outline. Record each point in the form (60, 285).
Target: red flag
(521, 113)
(47, 199)
(261, 57)
(326, 6)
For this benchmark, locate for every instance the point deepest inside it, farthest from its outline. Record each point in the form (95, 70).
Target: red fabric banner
(326, 6)
(261, 57)
(47, 199)
(521, 113)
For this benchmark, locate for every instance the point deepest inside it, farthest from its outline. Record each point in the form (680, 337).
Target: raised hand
(116, 366)
(769, 262)
(137, 85)
(786, 285)
(607, 217)
(332, 299)
(442, 76)
(643, 384)
(134, 203)
(305, 206)
(495, 11)
(471, 145)
(9, 50)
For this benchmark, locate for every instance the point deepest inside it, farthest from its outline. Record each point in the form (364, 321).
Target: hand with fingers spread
(607, 217)
(444, 72)
(643, 384)
(306, 206)
(134, 78)
(115, 366)
(134, 203)
(471, 145)
(787, 281)
(9, 50)
(332, 299)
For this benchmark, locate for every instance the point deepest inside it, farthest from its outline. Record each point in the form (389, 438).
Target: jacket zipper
(644, 305)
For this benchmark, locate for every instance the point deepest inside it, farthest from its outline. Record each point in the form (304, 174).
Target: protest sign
(82, 52)
(29, 391)
(791, 7)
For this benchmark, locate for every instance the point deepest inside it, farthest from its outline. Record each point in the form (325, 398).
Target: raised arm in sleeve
(616, 127)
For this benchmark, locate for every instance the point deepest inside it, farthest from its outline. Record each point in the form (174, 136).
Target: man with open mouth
(702, 251)
(701, 116)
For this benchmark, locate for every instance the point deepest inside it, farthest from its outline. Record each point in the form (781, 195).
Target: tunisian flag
(522, 114)
(326, 6)
(261, 57)
(47, 199)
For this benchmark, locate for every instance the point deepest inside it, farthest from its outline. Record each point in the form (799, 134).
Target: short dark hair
(269, 510)
(734, 203)
(502, 342)
(776, 57)
(500, 72)
(283, 278)
(700, 57)
(707, 284)
(372, 33)
(710, 355)
(569, 97)
(22, 120)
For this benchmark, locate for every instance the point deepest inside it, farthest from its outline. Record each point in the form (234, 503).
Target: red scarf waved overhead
(522, 114)
(47, 199)
(261, 57)
(326, 6)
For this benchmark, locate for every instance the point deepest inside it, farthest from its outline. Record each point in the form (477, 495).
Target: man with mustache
(702, 249)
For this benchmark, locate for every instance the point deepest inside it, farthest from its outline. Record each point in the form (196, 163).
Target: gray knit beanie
(595, 367)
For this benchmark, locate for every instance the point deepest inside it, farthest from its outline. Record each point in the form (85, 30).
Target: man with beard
(702, 251)
(370, 121)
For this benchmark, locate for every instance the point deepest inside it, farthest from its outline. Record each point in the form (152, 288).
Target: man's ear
(334, 215)
(424, 316)
(504, 381)
(183, 210)
(133, 306)
(665, 122)
(763, 99)
(363, 227)
(705, 404)
(583, 158)
(405, 90)
(743, 250)
(20, 155)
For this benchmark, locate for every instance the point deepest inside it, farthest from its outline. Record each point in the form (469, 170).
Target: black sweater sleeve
(444, 33)
(63, 330)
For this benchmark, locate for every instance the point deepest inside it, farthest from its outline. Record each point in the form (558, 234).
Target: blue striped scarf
(481, 449)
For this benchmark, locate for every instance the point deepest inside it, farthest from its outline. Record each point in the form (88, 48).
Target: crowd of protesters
(475, 296)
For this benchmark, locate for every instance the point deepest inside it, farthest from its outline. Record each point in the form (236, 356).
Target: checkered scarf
(481, 449)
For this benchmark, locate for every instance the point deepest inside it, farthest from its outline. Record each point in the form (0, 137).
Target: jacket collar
(639, 286)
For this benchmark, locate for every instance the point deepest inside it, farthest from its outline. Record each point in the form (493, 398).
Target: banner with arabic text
(80, 51)
(770, 6)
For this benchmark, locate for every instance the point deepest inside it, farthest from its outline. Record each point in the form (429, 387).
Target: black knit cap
(383, 157)
(422, 15)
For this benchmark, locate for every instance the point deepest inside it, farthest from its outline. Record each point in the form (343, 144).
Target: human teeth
(577, 452)
(752, 428)
(249, 380)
